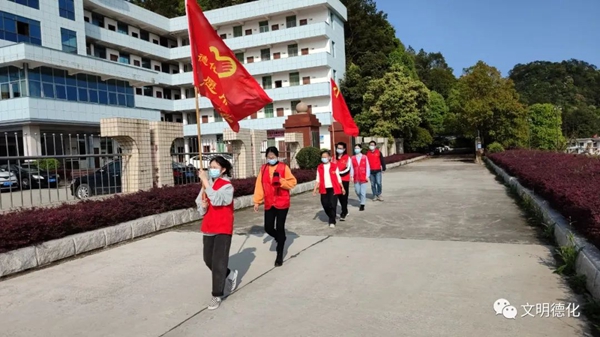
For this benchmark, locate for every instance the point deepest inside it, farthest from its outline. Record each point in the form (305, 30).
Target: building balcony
(277, 94)
(126, 43)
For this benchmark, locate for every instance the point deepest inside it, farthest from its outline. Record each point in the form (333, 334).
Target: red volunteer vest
(218, 219)
(337, 188)
(374, 160)
(360, 170)
(274, 197)
(342, 163)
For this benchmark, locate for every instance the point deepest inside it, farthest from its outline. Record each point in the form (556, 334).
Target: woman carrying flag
(343, 163)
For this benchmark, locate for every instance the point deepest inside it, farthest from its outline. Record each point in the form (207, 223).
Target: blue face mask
(339, 151)
(357, 151)
(272, 161)
(325, 160)
(214, 173)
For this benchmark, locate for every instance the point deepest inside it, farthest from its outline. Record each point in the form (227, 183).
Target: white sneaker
(214, 303)
(232, 278)
(331, 225)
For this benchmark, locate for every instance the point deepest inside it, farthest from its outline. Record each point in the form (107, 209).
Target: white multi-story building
(66, 64)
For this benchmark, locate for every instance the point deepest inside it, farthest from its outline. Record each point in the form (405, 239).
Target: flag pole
(199, 130)
(332, 135)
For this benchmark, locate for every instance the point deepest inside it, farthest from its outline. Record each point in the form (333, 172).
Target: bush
(49, 164)
(33, 226)
(495, 147)
(308, 158)
(568, 182)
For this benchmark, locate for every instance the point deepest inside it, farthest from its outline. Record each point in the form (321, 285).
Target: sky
(501, 33)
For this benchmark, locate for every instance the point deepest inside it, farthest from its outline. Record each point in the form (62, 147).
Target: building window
(278, 84)
(157, 68)
(155, 41)
(265, 54)
(280, 112)
(188, 67)
(267, 82)
(204, 121)
(146, 63)
(29, 3)
(13, 84)
(293, 105)
(100, 52)
(136, 35)
(159, 94)
(248, 32)
(334, 75)
(250, 59)
(122, 28)
(218, 117)
(86, 19)
(66, 9)
(97, 20)
(240, 57)
(292, 50)
(138, 91)
(306, 80)
(124, 58)
(333, 48)
(275, 27)
(294, 79)
(237, 31)
(303, 22)
(331, 18)
(223, 36)
(148, 91)
(112, 27)
(290, 21)
(185, 42)
(263, 26)
(58, 84)
(114, 57)
(69, 41)
(304, 51)
(144, 35)
(19, 29)
(269, 110)
(137, 63)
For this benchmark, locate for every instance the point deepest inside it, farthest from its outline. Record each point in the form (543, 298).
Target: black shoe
(279, 260)
(362, 208)
(343, 217)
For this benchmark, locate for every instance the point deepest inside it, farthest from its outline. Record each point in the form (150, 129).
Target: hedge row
(33, 226)
(570, 183)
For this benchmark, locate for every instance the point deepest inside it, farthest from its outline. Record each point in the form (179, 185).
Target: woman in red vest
(343, 163)
(360, 172)
(329, 185)
(273, 186)
(377, 164)
(215, 202)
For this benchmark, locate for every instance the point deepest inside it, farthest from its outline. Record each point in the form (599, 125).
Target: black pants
(344, 198)
(329, 203)
(216, 257)
(275, 226)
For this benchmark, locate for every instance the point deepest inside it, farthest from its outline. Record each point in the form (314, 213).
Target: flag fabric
(218, 75)
(341, 113)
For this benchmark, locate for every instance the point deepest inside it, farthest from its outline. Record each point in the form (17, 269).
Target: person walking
(360, 171)
(273, 185)
(329, 185)
(343, 163)
(377, 164)
(215, 203)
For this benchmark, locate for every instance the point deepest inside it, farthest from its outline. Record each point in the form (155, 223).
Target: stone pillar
(258, 136)
(32, 141)
(183, 93)
(162, 135)
(134, 137)
(294, 141)
(305, 123)
(242, 151)
(186, 149)
(338, 135)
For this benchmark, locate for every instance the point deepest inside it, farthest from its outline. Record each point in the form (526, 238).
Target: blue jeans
(376, 184)
(361, 192)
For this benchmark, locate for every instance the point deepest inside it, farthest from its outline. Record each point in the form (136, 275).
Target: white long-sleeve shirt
(358, 159)
(327, 176)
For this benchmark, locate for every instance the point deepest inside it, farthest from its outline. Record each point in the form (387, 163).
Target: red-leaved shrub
(32, 226)
(570, 183)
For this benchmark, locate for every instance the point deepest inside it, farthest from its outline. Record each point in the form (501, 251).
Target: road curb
(48, 252)
(588, 261)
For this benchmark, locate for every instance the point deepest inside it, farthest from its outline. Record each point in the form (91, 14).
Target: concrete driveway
(429, 261)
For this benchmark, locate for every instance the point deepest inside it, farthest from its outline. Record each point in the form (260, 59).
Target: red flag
(341, 113)
(218, 75)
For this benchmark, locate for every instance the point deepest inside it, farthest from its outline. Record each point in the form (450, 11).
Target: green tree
(581, 122)
(433, 70)
(353, 88)
(394, 105)
(401, 57)
(419, 140)
(435, 114)
(488, 104)
(545, 127)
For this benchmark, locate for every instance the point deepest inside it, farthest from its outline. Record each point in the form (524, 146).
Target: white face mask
(372, 147)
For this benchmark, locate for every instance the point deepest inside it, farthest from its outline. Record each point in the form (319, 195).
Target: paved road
(34, 197)
(429, 261)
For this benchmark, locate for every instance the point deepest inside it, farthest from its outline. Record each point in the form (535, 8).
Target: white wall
(314, 45)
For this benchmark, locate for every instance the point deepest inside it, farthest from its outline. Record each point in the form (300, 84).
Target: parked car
(28, 175)
(184, 174)
(108, 180)
(206, 158)
(8, 180)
